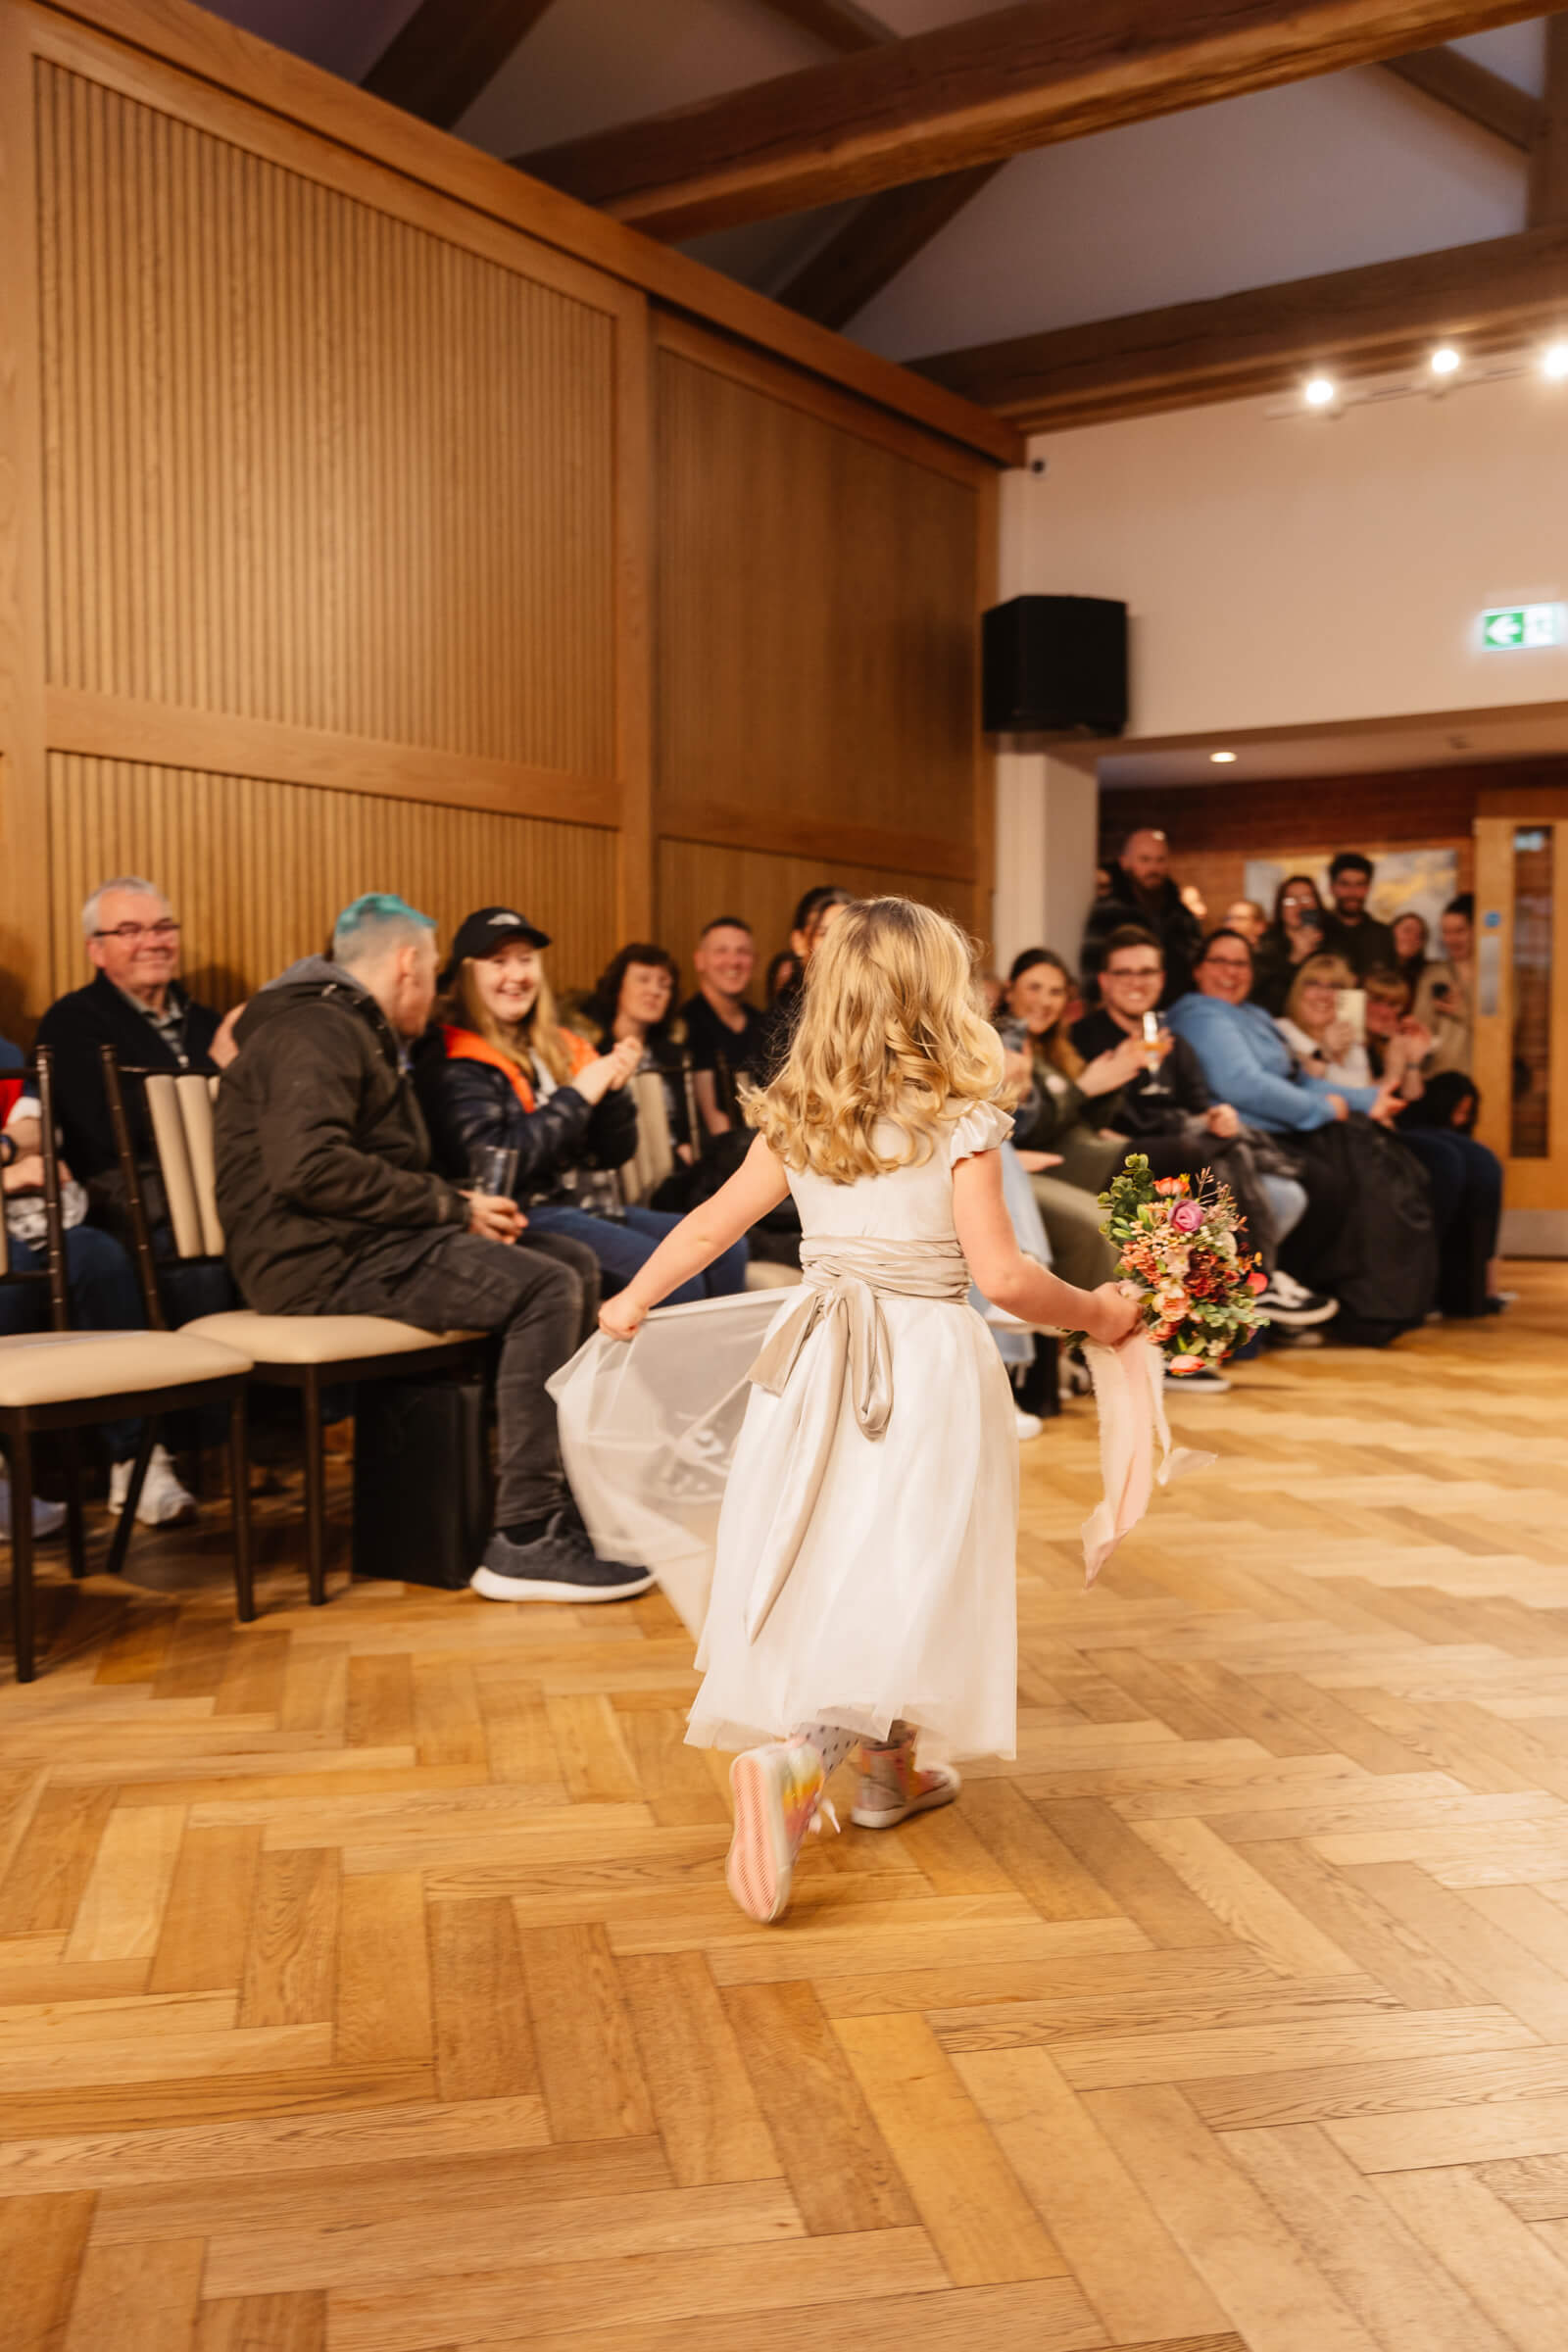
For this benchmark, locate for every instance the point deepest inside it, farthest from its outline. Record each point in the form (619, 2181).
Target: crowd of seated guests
(1345, 1050)
(445, 1146)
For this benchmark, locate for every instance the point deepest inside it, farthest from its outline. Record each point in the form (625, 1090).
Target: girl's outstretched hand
(1119, 1312)
(620, 1319)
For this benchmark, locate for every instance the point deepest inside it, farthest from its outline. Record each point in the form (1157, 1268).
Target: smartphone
(1350, 1006)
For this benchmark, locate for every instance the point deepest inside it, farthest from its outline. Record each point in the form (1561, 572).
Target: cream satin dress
(893, 1595)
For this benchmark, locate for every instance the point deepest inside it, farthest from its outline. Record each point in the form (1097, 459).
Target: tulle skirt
(900, 1601)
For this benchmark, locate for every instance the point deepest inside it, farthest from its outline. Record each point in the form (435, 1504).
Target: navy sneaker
(558, 1565)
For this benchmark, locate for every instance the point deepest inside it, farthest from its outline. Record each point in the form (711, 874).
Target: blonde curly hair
(890, 1032)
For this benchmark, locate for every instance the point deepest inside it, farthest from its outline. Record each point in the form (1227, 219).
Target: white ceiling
(1319, 176)
(1456, 739)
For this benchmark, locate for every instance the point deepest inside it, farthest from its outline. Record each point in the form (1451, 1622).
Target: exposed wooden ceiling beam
(1548, 158)
(975, 92)
(868, 253)
(1351, 321)
(448, 52)
(1458, 82)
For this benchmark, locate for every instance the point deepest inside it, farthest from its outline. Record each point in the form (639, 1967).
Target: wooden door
(1521, 1027)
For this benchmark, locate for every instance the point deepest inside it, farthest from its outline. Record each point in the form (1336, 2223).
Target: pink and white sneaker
(777, 1791)
(893, 1786)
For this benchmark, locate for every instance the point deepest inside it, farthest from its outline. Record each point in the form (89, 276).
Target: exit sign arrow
(1505, 627)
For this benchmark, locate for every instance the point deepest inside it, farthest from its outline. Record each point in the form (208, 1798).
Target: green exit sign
(1507, 629)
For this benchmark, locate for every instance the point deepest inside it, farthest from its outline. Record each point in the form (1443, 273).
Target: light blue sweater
(1248, 1063)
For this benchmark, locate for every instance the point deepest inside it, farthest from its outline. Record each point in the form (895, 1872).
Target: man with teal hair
(330, 1204)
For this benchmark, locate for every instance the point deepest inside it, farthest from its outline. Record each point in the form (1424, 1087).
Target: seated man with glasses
(134, 1002)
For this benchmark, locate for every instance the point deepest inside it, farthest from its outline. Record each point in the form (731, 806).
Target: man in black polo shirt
(725, 1030)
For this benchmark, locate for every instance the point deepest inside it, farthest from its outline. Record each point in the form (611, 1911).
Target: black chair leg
(239, 1479)
(116, 1562)
(76, 1515)
(315, 1490)
(22, 1614)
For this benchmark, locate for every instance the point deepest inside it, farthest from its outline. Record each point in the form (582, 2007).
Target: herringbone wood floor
(367, 1981)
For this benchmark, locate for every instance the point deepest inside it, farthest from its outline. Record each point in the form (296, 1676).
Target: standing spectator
(1167, 1112)
(326, 1193)
(1465, 1178)
(1444, 1000)
(1362, 941)
(1412, 942)
(1367, 1238)
(1295, 933)
(1247, 916)
(724, 1028)
(1142, 892)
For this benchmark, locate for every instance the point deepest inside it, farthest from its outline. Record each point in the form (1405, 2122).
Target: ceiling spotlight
(1318, 392)
(1223, 758)
(1445, 359)
(1554, 361)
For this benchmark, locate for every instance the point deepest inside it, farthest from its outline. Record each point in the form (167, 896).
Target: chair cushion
(58, 1367)
(763, 1274)
(319, 1339)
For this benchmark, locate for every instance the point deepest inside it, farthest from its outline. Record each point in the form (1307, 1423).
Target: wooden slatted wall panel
(698, 880)
(816, 599)
(306, 462)
(256, 870)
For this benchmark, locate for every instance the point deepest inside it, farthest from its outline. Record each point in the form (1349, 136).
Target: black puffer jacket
(321, 1149)
(470, 1105)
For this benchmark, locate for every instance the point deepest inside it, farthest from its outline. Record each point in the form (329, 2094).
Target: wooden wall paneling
(698, 880)
(257, 870)
(817, 593)
(634, 646)
(178, 44)
(384, 467)
(22, 564)
(987, 591)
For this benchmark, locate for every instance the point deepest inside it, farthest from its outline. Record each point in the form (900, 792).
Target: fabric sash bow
(844, 1283)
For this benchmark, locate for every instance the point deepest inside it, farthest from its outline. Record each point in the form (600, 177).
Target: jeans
(104, 1296)
(1465, 1180)
(530, 1298)
(622, 1248)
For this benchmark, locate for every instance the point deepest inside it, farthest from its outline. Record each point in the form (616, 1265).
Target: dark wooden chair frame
(309, 1381)
(19, 1425)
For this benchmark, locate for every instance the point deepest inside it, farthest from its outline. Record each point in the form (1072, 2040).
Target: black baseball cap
(490, 927)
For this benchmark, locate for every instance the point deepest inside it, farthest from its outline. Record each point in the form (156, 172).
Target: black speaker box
(1055, 665)
(421, 1479)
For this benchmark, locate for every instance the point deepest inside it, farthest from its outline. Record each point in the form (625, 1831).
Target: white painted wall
(1287, 571)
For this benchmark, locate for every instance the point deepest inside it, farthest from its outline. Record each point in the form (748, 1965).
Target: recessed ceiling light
(1318, 392)
(1223, 758)
(1554, 361)
(1445, 359)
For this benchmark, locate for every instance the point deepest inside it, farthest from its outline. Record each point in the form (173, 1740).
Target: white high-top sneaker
(164, 1502)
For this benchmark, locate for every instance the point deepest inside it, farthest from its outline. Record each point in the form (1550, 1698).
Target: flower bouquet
(1176, 1239)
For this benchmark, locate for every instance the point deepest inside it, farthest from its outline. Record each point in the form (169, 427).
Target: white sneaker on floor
(1026, 1425)
(48, 1518)
(164, 1502)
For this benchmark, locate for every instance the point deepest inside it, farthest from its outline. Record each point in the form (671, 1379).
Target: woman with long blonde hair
(864, 1586)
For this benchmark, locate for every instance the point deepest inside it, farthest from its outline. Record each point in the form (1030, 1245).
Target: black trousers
(530, 1296)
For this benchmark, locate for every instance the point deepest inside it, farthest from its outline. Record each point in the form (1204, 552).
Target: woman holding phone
(1295, 933)
(1324, 1022)
(1445, 992)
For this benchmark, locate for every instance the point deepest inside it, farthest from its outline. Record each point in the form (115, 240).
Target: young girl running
(864, 1588)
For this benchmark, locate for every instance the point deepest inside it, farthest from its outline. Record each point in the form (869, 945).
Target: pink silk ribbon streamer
(1129, 1391)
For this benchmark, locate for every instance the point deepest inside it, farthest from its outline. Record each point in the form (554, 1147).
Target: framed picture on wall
(1422, 881)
